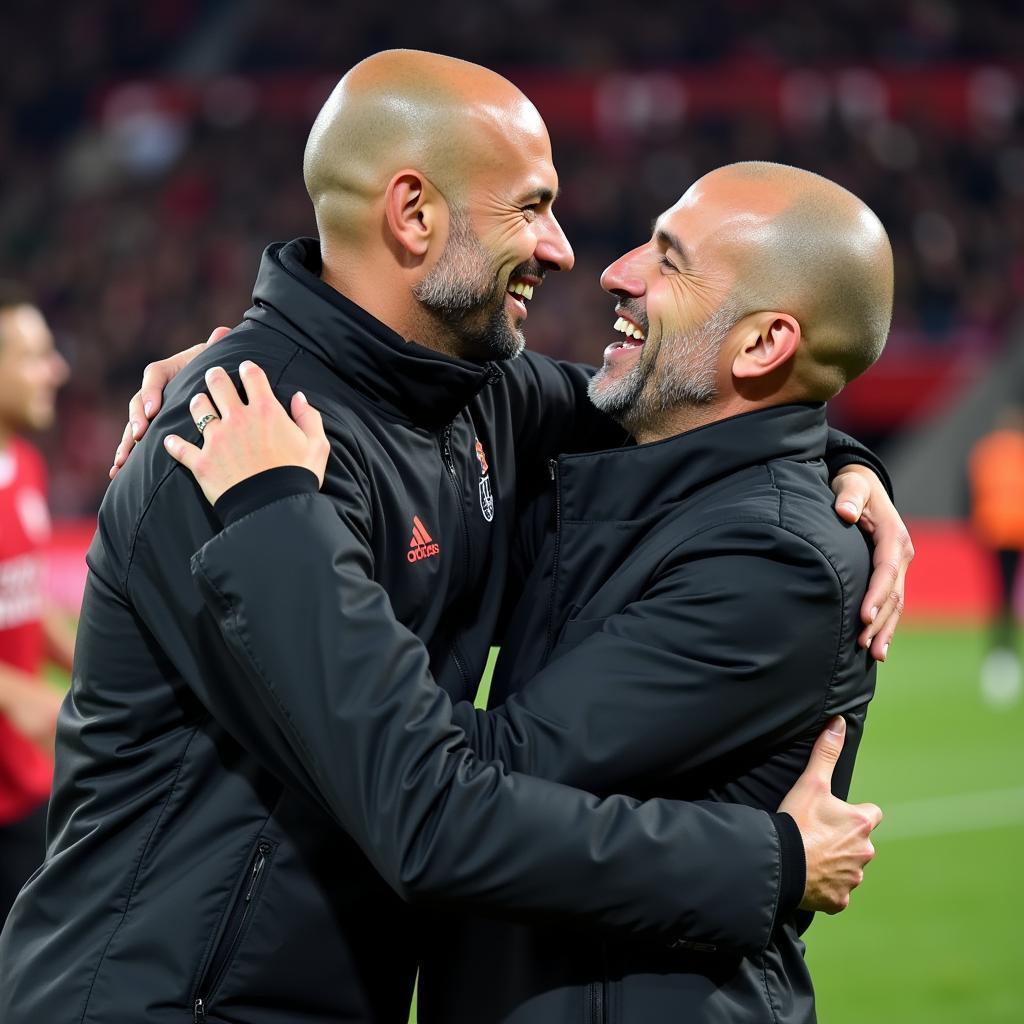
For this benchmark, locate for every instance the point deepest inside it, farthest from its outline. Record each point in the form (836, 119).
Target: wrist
(255, 492)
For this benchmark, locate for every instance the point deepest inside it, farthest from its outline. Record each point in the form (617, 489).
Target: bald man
(199, 862)
(688, 612)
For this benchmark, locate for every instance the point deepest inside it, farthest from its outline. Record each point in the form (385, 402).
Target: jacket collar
(630, 482)
(409, 381)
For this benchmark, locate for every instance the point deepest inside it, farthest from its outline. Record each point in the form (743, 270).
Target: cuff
(262, 489)
(793, 864)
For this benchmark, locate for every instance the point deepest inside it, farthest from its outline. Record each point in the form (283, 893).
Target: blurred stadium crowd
(148, 156)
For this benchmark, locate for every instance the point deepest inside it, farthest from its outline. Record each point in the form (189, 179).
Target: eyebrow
(540, 195)
(671, 241)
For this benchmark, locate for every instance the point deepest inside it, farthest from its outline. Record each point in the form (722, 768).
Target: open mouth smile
(520, 291)
(633, 341)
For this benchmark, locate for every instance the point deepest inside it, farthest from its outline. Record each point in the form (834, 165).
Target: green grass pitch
(936, 933)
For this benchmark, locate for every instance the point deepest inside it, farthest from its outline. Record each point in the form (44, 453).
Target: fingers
(883, 596)
(852, 495)
(873, 814)
(202, 407)
(827, 748)
(126, 444)
(884, 602)
(155, 378)
(308, 419)
(181, 451)
(254, 381)
(222, 391)
(138, 418)
(889, 616)
(311, 424)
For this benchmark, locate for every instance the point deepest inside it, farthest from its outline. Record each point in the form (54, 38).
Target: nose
(621, 277)
(553, 247)
(59, 369)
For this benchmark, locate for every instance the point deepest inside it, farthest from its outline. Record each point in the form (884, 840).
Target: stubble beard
(641, 397)
(465, 297)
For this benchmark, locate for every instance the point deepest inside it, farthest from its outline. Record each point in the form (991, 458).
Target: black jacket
(686, 630)
(686, 635)
(195, 861)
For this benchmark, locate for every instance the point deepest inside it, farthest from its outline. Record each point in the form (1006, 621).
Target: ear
(416, 212)
(770, 343)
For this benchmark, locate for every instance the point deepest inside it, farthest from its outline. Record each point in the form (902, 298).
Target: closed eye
(666, 262)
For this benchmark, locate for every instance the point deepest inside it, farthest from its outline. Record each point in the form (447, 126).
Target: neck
(685, 418)
(6, 435)
(375, 289)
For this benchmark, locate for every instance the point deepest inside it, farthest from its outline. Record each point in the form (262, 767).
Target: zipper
(596, 1002)
(449, 465)
(550, 641)
(232, 933)
(597, 992)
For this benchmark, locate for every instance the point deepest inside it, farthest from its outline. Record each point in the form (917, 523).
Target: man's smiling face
(673, 309)
(503, 238)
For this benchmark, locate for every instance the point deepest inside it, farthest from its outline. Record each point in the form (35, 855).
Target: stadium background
(149, 152)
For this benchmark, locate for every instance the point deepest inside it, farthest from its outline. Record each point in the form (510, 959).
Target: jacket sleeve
(158, 584)
(842, 450)
(349, 689)
(729, 652)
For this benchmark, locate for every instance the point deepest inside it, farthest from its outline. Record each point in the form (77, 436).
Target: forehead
(718, 212)
(23, 328)
(512, 156)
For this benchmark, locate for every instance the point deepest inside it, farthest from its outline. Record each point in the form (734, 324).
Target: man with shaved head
(247, 853)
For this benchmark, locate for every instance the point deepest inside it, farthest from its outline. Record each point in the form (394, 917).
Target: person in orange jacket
(996, 471)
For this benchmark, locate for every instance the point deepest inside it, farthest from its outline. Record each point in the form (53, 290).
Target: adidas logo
(422, 544)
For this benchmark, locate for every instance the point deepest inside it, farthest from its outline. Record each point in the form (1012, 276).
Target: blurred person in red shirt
(31, 371)
(996, 472)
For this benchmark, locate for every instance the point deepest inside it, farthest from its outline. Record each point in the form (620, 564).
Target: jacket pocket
(240, 912)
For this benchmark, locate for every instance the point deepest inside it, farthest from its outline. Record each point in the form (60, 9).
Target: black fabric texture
(256, 491)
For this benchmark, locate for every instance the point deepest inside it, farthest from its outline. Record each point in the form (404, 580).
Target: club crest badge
(486, 498)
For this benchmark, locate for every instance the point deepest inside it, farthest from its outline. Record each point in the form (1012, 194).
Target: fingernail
(246, 365)
(135, 430)
(874, 613)
(849, 506)
(837, 726)
(148, 408)
(169, 443)
(301, 397)
(885, 652)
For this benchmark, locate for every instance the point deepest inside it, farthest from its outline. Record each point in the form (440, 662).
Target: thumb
(827, 748)
(852, 493)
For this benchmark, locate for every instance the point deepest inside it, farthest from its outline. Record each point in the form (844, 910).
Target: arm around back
(350, 690)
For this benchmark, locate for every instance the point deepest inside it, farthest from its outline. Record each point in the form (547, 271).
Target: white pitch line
(945, 815)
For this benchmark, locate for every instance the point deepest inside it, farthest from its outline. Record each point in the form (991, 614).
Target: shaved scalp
(406, 108)
(821, 255)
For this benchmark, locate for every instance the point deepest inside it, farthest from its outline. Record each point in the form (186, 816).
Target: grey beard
(463, 295)
(638, 399)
